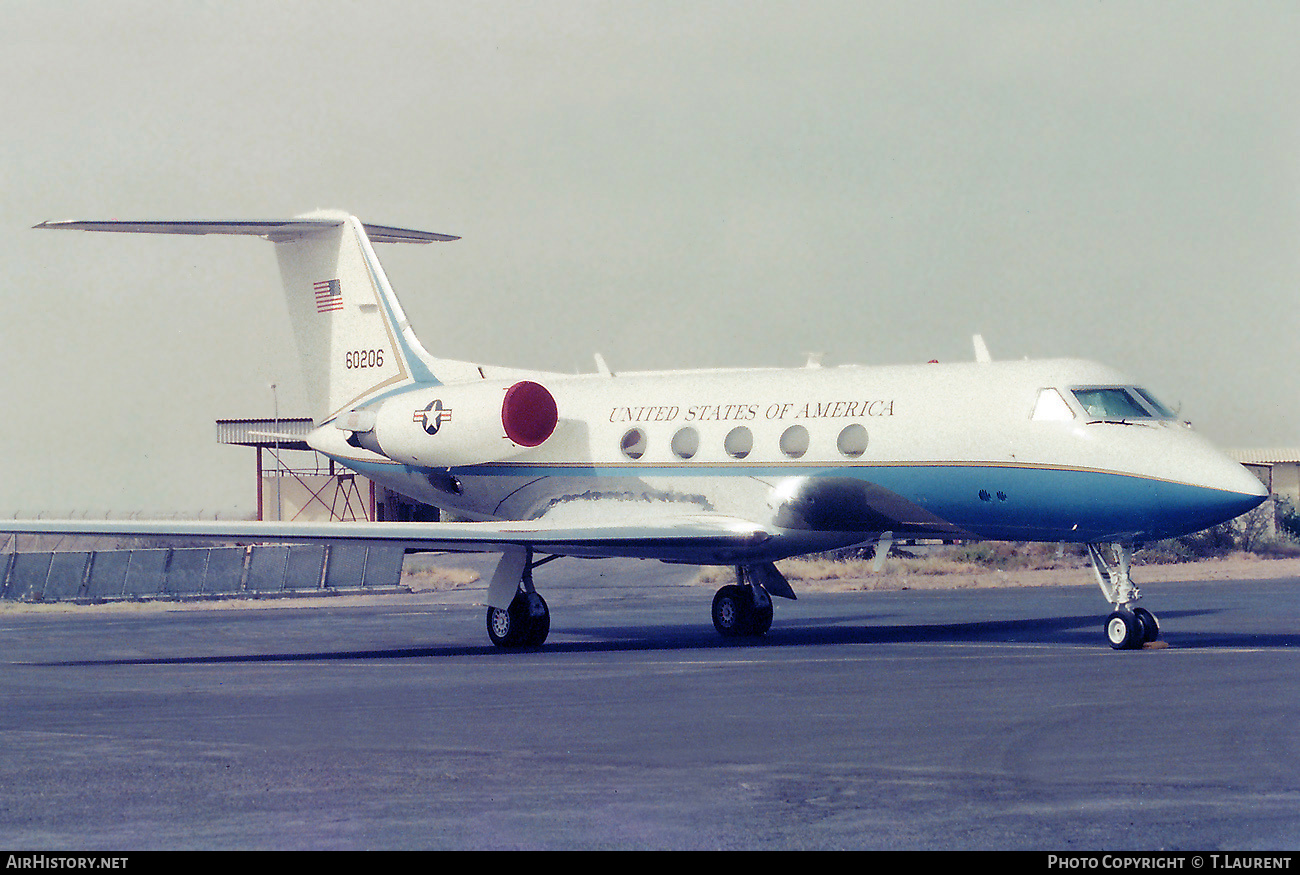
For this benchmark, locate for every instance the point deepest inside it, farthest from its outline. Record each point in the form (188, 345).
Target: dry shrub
(435, 579)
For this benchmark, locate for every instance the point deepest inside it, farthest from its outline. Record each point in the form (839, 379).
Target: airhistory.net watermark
(63, 861)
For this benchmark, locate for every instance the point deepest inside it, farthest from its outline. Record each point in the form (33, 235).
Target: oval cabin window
(739, 442)
(634, 443)
(794, 442)
(852, 441)
(686, 443)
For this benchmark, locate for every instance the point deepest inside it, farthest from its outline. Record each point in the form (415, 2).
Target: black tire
(1150, 625)
(733, 611)
(526, 623)
(539, 621)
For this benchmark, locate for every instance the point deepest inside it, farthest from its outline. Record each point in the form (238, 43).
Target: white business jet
(719, 467)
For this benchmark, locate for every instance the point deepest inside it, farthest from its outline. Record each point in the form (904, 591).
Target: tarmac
(965, 719)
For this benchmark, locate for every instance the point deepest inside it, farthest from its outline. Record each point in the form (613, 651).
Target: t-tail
(354, 340)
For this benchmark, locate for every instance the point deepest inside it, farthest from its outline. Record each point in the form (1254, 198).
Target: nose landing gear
(1127, 627)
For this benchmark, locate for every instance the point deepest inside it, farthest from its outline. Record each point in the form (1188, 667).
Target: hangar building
(294, 482)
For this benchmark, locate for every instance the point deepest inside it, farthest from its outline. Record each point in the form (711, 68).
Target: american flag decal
(329, 296)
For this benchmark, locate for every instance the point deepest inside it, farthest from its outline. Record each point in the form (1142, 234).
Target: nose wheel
(1129, 630)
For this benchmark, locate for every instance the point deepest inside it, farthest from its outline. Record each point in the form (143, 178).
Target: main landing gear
(1127, 627)
(741, 609)
(744, 608)
(527, 620)
(526, 623)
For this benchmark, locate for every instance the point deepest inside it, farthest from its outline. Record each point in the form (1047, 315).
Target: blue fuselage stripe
(992, 501)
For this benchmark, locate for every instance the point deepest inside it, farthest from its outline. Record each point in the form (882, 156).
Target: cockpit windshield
(1120, 403)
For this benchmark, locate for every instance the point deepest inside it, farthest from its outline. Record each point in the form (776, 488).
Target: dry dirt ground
(899, 574)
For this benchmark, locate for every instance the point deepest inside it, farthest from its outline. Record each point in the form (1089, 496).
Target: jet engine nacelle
(465, 424)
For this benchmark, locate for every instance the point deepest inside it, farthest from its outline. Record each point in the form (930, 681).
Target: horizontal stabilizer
(275, 231)
(339, 299)
(282, 436)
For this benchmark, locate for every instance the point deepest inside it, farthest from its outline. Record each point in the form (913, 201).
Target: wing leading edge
(699, 538)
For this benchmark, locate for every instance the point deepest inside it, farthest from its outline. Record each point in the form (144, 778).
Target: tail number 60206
(363, 358)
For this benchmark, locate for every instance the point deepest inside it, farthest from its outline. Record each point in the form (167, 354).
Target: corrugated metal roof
(1272, 456)
(263, 432)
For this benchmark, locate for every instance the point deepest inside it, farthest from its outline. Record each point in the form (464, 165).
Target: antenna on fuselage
(981, 350)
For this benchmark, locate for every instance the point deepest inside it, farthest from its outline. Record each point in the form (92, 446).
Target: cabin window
(686, 443)
(852, 441)
(634, 443)
(1110, 403)
(739, 442)
(1051, 407)
(794, 442)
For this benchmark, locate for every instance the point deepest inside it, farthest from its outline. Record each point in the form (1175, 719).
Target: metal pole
(261, 506)
(279, 500)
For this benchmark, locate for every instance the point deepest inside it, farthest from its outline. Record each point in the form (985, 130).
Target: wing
(699, 538)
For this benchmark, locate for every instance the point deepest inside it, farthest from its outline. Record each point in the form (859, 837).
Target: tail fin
(353, 338)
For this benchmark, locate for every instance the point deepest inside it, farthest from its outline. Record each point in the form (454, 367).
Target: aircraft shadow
(1068, 631)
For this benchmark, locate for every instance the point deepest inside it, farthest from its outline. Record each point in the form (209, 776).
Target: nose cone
(1237, 478)
(1229, 490)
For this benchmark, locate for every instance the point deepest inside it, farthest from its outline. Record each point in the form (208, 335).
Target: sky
(668, 184)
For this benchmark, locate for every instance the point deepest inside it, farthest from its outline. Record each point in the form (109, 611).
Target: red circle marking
(528, 413)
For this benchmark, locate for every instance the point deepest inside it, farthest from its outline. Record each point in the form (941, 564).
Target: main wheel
(733, 610)
(526, 623)
(1123, 630)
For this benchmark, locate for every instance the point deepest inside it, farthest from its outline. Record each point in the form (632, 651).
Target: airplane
(738, 467)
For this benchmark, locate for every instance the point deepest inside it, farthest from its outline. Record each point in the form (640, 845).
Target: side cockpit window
(1161, 410)
(1051, 407)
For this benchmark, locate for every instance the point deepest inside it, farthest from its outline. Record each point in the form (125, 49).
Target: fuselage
(835, 456)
